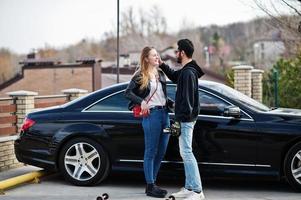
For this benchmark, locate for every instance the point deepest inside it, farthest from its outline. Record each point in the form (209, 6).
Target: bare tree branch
(291, 7)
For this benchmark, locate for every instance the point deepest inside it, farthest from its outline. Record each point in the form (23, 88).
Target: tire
(84, 162)
(292, 167)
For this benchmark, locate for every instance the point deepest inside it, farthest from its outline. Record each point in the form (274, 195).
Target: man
(186, 112)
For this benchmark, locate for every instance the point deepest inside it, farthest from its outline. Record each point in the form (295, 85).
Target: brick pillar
(74, 93)
(25, 104)
(257, 84)
(8, 159)
(24, 101)
(97, 75)
(243, 79)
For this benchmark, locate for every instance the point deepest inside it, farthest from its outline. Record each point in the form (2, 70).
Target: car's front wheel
(83, 162)
(292, 166)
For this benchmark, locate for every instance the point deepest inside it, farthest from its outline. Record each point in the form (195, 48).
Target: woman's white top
(158, 98)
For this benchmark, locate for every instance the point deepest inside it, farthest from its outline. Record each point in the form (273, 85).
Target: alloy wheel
(296, 167)
(82, 161)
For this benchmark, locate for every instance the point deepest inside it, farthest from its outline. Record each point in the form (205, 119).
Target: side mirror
(232, 111)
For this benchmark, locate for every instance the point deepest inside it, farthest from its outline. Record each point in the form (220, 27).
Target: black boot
(161, 190)
(154, 191)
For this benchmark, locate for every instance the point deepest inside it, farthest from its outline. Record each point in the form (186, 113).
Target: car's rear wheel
(83, 162)
(292, 167)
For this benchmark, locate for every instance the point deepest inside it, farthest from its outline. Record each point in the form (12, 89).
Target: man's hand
(160, 60)
(175, 129)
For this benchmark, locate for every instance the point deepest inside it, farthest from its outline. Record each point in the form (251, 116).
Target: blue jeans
(192, 174)
(155, 142)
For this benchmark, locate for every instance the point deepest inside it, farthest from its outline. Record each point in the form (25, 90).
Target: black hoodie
(187, 104)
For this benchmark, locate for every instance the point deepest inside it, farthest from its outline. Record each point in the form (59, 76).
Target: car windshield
(235, 95)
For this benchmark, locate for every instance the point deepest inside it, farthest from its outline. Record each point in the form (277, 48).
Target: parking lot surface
(130, 186)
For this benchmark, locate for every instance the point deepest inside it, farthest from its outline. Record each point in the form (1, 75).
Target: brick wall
(48, 80)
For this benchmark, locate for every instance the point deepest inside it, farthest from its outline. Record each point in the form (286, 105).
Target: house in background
(50, 77)
(109, 76)
(268, 50)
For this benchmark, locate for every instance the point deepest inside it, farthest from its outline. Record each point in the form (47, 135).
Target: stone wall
(7, 155)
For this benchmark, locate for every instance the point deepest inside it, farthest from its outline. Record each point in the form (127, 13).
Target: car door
(119, 123)
(221, 140)
(172, 155)
(218, 140)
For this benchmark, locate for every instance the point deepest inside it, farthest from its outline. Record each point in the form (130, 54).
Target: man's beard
(179, 59)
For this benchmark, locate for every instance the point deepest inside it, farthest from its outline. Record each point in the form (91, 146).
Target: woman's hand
(144, 107)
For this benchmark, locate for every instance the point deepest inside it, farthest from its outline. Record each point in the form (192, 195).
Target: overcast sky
(28, 24)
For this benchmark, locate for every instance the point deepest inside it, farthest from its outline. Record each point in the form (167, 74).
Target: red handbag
(137, 111)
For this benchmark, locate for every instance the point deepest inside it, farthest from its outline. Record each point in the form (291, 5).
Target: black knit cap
(187, 46)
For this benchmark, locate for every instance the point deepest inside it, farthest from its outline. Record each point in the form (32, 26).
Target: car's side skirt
(201, 163)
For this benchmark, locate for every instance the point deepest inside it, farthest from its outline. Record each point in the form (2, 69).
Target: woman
(148, 89)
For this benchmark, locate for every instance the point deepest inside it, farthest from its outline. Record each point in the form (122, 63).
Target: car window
(236, 95)
(115, 102)
(210, 104)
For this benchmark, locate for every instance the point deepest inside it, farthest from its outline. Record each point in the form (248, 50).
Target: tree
(157, 22)
(47, 52)
(128, 24)
(289, 83)
(196, 37)
(8, 65)
(218, 49)
(289, 25)
(144, 23)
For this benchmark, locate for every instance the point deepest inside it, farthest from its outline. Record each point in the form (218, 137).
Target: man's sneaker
(182, 193)
(196, 196)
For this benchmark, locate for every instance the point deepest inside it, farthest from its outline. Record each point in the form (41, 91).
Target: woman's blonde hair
(144, 67)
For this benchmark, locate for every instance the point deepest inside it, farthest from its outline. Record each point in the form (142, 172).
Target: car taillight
(27, 124)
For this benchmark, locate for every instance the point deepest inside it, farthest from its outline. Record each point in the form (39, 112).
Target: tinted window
(116, 102)
(236, 95)
(210, 104)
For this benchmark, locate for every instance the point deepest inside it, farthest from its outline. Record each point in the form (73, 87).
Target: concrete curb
(28, 177)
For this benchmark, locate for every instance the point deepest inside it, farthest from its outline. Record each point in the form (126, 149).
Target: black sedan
(89, 137)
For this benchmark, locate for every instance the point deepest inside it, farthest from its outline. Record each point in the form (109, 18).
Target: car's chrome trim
(222, 117)
(210, 116)
(202, 163)
(236, 164)
(105, 111)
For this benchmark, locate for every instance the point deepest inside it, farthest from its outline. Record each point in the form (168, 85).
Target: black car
(234, 135)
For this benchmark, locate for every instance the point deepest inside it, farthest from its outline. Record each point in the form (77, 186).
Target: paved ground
(131, 187)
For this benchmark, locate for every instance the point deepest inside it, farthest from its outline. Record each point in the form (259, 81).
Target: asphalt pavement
(130, 186)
